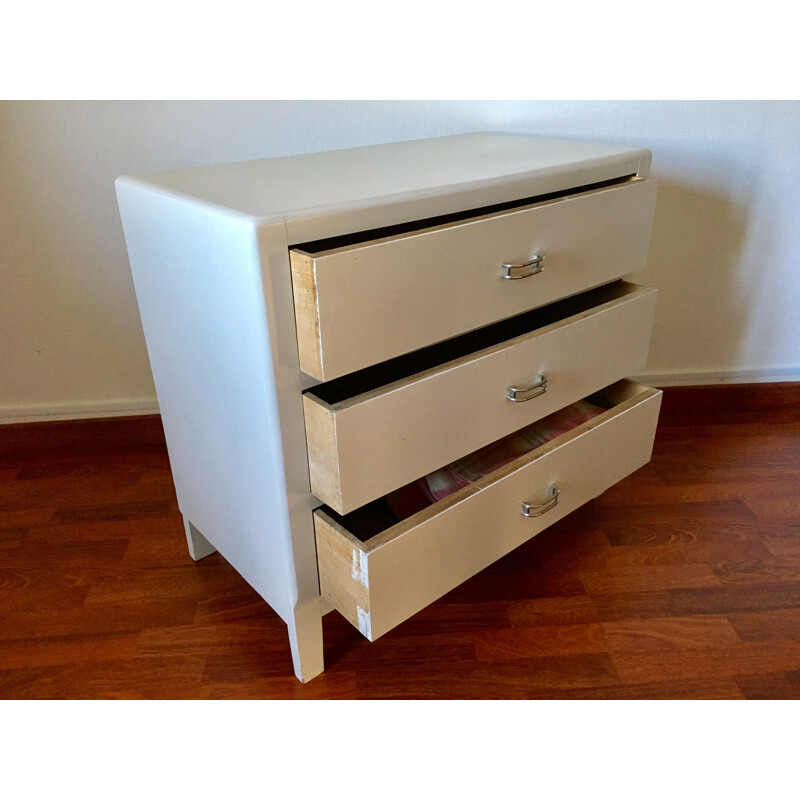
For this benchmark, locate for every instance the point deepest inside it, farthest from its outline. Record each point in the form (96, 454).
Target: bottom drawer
(378, 583)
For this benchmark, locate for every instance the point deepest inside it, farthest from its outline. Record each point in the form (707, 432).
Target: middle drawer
(373, 431)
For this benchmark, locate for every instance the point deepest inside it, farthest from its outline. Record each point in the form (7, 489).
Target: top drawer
(361, 304)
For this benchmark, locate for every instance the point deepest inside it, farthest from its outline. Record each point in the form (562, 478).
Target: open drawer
(358, 304)
(376, 430)
(379, 583)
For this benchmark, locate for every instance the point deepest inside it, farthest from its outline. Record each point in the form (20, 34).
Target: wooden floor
(683, 581)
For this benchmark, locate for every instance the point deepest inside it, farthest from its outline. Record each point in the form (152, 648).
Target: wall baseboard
(12, 415)
(764, 404)
(772, 375)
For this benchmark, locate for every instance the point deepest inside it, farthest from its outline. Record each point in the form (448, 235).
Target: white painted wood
(209, 251)
(770, 375)
(380, 299)
(389, 437)
(214, 295)
(199, 546)
(17, 416)
(422, 558)
(305, 639)
(341, 191)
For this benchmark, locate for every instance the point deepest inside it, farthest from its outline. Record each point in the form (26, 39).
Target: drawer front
(360, 305)
(379, 584)
(363, 448)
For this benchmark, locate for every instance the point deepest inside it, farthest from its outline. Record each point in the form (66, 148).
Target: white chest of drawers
(325, 329)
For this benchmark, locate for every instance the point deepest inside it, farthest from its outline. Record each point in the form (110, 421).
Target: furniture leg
(305, 638)
(199, 546)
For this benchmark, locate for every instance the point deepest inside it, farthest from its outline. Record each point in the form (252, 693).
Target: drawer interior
(416, 226)
(349, 387)
(415, 502)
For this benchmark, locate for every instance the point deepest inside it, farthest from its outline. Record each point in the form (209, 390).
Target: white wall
(724, 253)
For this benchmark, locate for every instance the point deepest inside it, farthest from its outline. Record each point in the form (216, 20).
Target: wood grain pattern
(99, 598)
(304, 290)
(323, 458)
(342, 579)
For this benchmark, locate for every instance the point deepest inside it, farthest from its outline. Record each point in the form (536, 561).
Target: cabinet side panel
(199, 286)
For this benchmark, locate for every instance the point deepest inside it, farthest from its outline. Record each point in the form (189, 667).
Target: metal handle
(519, 394)
(524, 270)
(529, 510)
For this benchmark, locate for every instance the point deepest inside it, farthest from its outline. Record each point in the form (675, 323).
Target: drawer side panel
(343, 572)
(304, 290)
(323, 452)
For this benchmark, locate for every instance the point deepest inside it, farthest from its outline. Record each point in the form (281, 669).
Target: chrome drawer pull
(519, 394)
(514, 271)
(529, 510)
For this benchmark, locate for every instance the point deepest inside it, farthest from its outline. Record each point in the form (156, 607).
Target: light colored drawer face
(360, 305)
(363, 447)
(382, 582)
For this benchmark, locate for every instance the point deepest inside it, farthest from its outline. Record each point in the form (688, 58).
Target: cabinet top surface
(461, 171)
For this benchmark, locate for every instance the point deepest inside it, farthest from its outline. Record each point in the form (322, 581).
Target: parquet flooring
(683, 581)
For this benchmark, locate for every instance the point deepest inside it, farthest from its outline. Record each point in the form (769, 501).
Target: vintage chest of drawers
(326, 329)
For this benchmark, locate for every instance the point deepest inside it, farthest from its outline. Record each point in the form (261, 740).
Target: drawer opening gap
(418, 361)
(451, 483)
(351, 239)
